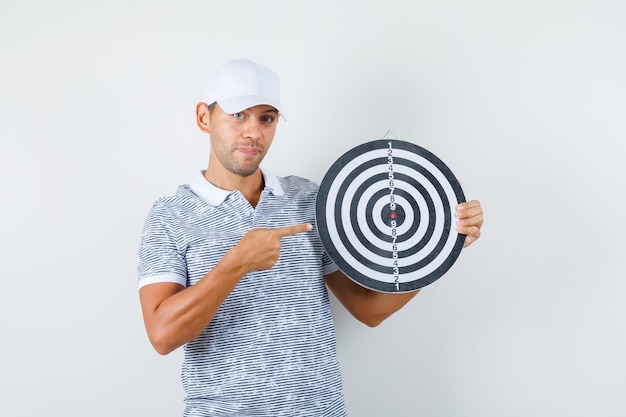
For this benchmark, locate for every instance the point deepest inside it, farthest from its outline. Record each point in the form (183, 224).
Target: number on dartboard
(392, 214)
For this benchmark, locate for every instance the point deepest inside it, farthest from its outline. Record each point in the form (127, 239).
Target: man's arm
(372, 307)
(368, 306)
(174, 315)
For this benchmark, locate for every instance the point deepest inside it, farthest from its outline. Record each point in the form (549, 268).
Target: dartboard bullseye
(385, 215)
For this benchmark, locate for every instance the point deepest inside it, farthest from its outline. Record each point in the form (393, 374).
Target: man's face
(240, 141)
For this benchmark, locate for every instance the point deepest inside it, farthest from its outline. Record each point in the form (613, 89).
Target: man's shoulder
(184, 198)
(294, 184)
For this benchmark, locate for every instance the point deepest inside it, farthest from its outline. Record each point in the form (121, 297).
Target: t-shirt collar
(215, 196)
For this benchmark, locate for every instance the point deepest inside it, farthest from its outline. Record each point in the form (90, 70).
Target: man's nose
(252, 129)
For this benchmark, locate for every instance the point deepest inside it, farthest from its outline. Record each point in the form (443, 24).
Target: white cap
(240, 84)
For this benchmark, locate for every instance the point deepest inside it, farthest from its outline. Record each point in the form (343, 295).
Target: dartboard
(385, 215)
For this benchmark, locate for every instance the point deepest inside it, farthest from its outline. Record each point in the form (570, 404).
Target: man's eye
(238, 115)
(268, 119)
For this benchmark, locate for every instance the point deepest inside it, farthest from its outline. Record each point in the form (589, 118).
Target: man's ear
(203, 117)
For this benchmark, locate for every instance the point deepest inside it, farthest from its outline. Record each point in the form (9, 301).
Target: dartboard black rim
(355, 250)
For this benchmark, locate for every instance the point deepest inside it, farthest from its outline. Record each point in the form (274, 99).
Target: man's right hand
(260, 248)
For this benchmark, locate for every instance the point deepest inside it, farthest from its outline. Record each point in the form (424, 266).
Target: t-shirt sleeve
(328, 265)
(160, 257)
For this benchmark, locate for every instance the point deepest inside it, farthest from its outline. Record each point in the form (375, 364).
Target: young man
(231, 269)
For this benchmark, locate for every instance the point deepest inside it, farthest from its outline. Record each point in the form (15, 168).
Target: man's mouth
(249, 151)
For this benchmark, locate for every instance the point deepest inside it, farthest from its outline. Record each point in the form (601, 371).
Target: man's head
(241, 84)
(240, 113)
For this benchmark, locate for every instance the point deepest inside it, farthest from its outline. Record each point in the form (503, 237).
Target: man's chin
(246, 171)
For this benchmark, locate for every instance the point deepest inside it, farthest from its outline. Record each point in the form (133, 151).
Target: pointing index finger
(294, 229)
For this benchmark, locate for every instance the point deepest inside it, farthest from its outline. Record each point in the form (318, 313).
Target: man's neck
(250, 186)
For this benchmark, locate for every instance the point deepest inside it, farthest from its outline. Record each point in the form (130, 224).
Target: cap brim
(237, 104)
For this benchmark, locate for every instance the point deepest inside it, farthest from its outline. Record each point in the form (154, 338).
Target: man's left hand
(470, 215)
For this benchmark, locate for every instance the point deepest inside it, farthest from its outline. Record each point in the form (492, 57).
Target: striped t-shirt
(270, 350)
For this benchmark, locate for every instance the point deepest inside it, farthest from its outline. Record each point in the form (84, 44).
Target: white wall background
(523, 99)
